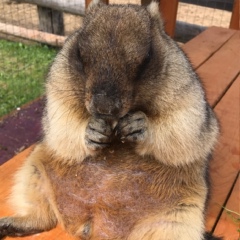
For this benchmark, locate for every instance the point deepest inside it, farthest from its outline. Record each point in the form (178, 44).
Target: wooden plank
(228, 226)
(222, 67)
(202, 47)
(235, 19)
(34, 35)
(73, 7)
(225, 165)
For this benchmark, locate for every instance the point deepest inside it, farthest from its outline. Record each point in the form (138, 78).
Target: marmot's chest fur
(108, 194)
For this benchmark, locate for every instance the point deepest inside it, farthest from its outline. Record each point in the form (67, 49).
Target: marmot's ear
(94, 4)
(153, 9)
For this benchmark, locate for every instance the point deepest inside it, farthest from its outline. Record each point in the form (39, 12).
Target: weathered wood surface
(221, 69)
(229, 223)
(47, 38)
(219, 66)
(69, 6)
(224, 167)
(202, 47)
(50, 20)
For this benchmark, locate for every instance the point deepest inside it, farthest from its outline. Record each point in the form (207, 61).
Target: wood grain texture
(43, 37)
(202, 47)
(228, 226)
(50, 20)
(218, 72)
(73, 7)
(225, 164)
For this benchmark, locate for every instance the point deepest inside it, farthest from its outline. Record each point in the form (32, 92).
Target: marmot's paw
(98, 134)
(133, 127)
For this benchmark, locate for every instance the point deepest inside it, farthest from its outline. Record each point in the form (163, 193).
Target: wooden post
(168, 9)
(235, 19)
(50, 20)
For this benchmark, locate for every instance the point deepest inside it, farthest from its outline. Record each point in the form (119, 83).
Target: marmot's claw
(98, 134)
(133, 127)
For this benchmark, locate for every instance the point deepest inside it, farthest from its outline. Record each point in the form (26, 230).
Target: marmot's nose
(106, 105)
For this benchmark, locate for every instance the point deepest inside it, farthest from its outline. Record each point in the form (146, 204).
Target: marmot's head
(108, 56)
(114, 43)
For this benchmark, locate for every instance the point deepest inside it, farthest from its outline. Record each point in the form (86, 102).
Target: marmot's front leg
(98, 134)
(133, 127)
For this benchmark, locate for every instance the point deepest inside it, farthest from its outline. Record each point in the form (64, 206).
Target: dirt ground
(22, 128)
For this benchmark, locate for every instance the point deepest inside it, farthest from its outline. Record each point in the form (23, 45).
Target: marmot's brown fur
(127, 136)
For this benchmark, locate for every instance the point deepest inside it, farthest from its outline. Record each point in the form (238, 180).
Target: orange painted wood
(202, 47)
(235, 19)
(228, 225)
(218, 72)
(225, 164)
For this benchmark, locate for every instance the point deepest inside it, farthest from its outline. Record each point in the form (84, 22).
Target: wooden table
(215, 55)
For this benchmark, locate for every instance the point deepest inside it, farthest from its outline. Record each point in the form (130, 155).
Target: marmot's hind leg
(22, 226)
(30, 199)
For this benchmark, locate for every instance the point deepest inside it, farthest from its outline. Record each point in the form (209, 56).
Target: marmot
(127, 136)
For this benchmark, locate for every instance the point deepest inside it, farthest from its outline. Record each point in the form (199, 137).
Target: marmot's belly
(106, 200)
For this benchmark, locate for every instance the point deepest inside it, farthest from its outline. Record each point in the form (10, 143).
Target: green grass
(22, 72)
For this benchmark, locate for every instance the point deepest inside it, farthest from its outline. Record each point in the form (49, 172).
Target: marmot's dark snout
(106, 100)
(104, 105)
